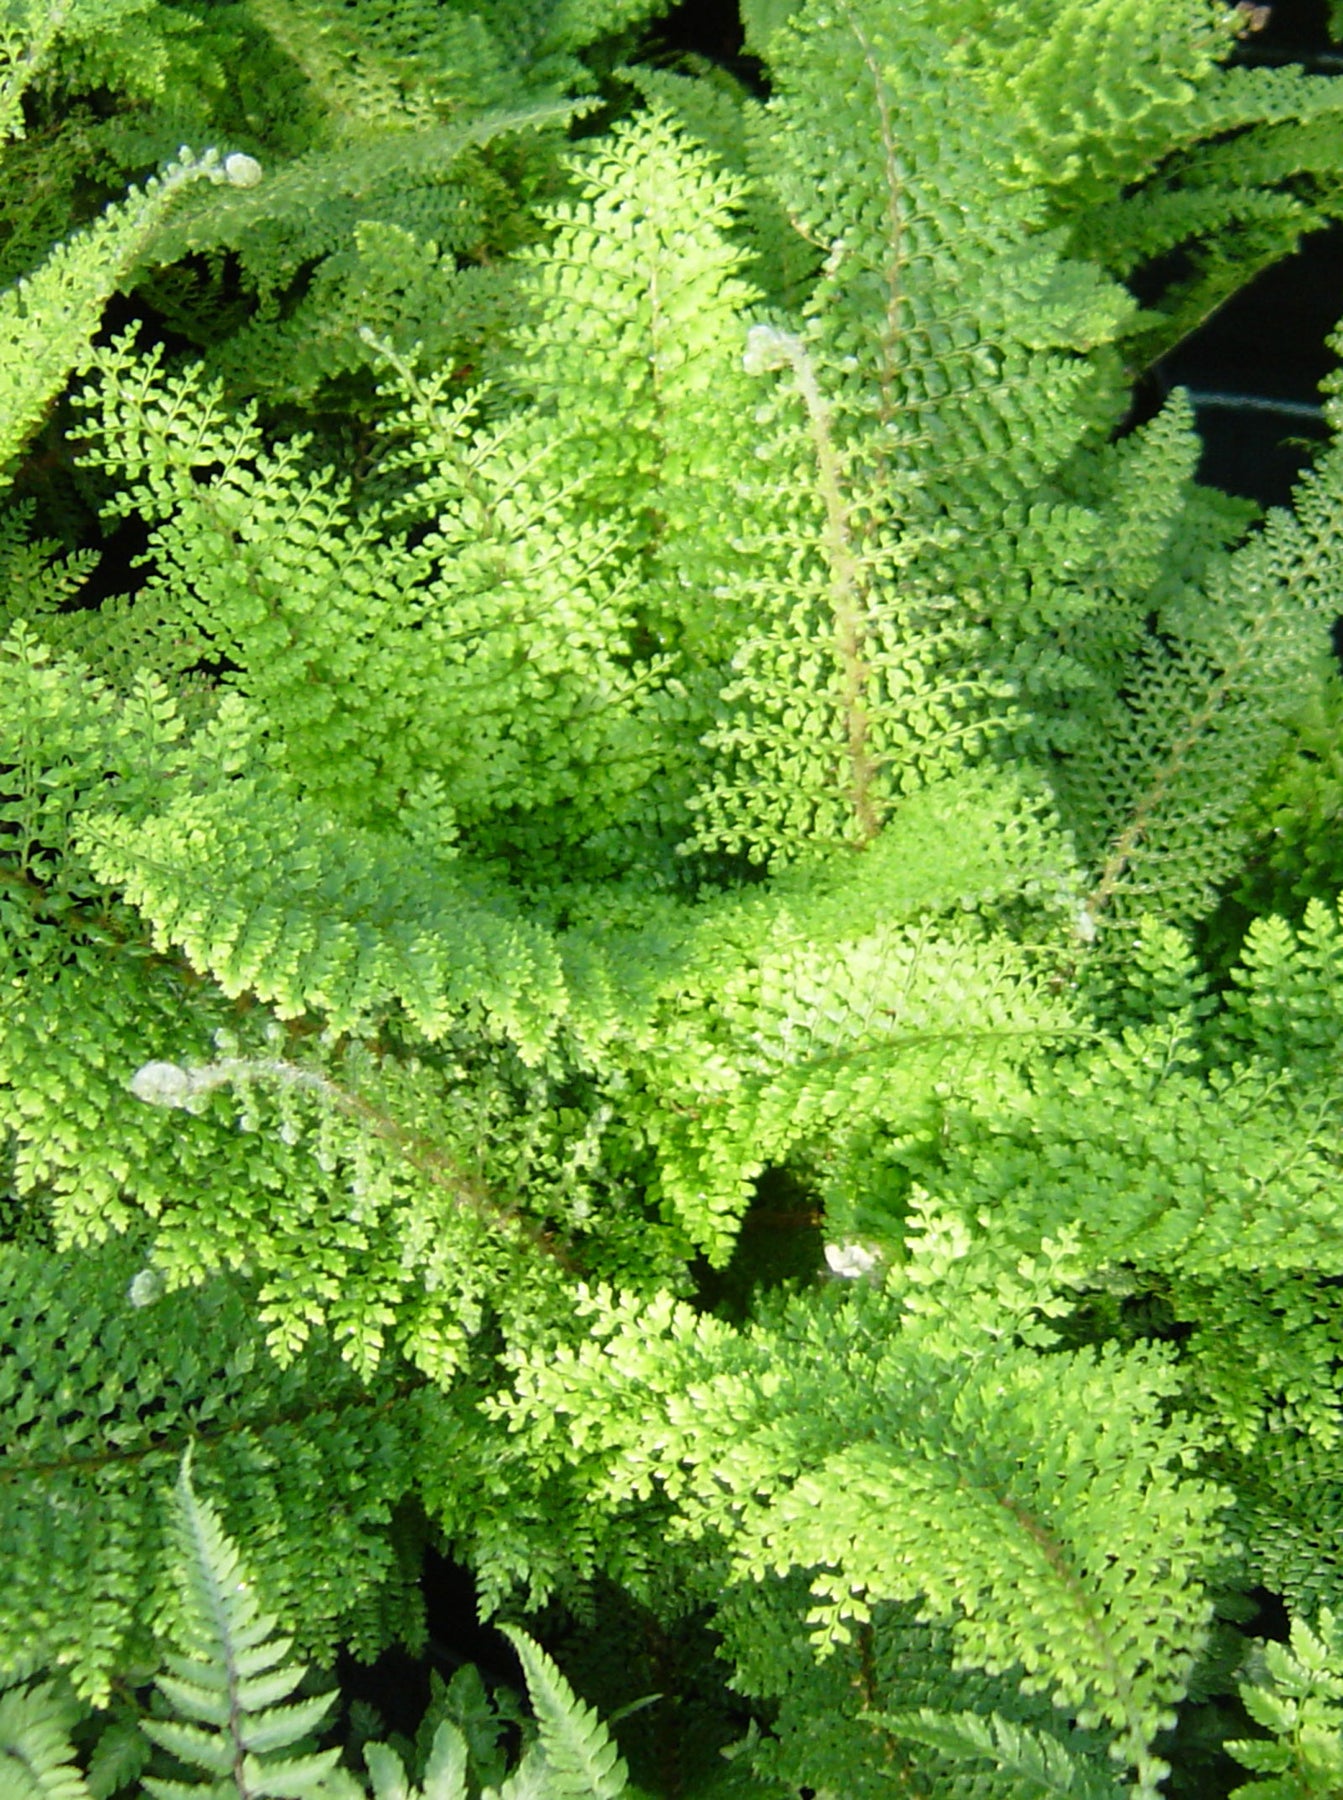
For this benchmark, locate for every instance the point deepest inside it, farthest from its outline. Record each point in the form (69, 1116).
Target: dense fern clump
(583, 645)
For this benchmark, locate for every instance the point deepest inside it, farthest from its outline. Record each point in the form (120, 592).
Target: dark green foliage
(224, 1708)
(103, 1379)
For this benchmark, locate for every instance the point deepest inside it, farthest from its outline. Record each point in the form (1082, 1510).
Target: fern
(48, 318)
(228, 1714)
(1293, 1693)
(39, 1756)
(35, 34)
(654, 677)
(444, 1774)
(227, 1680)
(1272, 593)
(310, 1464)
(1029, 1764)
(579, 1757)
(901, 1483)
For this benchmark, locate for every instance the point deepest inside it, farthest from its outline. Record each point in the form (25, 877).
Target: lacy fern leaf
(445, 1774)
(48, 319)
(1295, 1693)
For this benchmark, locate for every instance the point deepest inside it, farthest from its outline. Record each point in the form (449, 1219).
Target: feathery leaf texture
(655, 673)
(48, 318)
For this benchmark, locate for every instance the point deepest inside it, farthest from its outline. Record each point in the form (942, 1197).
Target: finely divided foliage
(653, 673)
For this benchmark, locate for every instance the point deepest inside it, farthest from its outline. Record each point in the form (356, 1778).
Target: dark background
(1253, 370)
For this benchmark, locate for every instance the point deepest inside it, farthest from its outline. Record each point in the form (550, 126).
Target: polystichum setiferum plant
(652, 665)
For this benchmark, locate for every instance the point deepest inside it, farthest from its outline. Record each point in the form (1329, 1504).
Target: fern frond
(33, 35)
(1215, 694)
(581, 1760)
(1029, 1764)
(241, 900)
(37, 1758)
(491, 662)
(311, 205)
(309, 1459)
(807, 1042)
(1074, 1555)
(571, 24)
(936, 382)
(1295, 1692)
(229, 1676)
(444, 1773)
(48, 318)
(656, 423)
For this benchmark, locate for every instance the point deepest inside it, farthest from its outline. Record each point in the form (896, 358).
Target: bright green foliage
(35, 32)
(1026, 1763)
(444, 1775)
(1220, 684)
(646, 244)
(1140, 142)
(568, 1753)
(650, 676)
(1293, 812)
(925, 306)
(1296, 811)
(224, 1710)
(1093, 108)
(265, 566)
(362, 138)
(574, 1749)
(1028, 1501)
(1295, 1692)
(47, 318)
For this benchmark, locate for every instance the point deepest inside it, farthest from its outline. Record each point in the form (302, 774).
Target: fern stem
(167, 1084)
(896, 1766)
(895, 232)
(1089, 1613)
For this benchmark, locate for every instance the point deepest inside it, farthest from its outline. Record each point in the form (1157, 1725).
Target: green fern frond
(34, 581)
(445, 1773)
(310, 1460)
(573, 23)
(35, 34)
(1074, 1556)
(1029, 1764)
(654, 661)
(37, 1757)
(1295, 1693)
(831, 1036)
(48, 318)
(1210, 706)
(581, 1760)
(229, 1677)
(316, 198)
